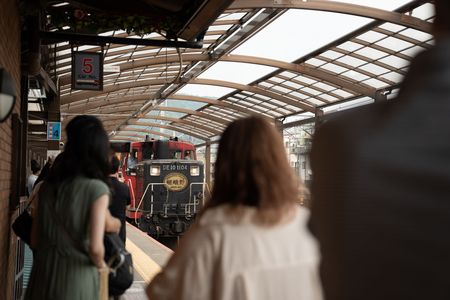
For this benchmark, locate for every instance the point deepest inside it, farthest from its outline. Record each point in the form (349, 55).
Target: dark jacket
(381, 191)
(120, 199)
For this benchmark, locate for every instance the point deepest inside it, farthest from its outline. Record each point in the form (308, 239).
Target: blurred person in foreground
(71, 217)
(251, 241)
(120, 197)
(381, 188)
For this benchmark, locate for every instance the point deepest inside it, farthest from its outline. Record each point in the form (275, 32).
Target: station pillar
(208, 163)
(279, 126)
(319, 115)
(54, 115)
(380, 97)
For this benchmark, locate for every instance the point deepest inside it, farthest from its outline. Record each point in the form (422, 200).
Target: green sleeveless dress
(60, 270)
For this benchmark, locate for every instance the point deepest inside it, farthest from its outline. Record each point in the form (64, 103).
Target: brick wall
(9, 60)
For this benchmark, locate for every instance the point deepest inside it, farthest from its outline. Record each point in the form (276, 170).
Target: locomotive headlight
(155, 170)
(195, 170)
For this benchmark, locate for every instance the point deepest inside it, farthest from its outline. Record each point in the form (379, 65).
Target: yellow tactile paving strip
(143, 264)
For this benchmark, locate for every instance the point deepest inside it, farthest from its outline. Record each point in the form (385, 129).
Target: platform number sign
(87, 71)
(53, 131)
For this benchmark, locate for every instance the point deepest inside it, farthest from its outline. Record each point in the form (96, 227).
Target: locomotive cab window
(132, 160)
(188, 154)
(147, 151)
(177, 154)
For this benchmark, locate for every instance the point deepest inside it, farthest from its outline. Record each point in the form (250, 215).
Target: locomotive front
(171, 194)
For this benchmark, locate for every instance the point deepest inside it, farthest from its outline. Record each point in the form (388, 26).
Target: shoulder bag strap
(34, 195)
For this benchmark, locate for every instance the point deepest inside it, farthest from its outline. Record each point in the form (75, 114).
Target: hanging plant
(81, 21)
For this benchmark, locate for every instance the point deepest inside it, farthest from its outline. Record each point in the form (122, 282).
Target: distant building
(297, 142)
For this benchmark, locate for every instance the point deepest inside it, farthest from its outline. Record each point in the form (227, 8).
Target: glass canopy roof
(285, 61)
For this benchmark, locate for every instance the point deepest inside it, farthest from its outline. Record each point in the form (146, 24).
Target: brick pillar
(10, 61)
(24, 117)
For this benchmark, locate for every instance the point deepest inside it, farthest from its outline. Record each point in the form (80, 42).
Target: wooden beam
(338, 7)
(82, 107)
(253, 89)
(37, 128)
(176, 120)
(191, 112)
(232, 85)
(317, 73)
(48, 82)
(38, 115)
(122, 133)
(157, 125)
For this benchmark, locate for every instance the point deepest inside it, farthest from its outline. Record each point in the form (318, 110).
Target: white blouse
(221, 259)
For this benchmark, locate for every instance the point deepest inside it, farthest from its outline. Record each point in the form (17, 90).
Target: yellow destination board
(175, 182)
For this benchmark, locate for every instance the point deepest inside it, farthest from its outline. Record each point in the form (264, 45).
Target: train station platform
(148, 257)
(183, 75)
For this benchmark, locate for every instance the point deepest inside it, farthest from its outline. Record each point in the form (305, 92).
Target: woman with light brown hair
(251, 240)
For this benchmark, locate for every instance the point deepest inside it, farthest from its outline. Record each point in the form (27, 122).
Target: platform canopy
(286, 60)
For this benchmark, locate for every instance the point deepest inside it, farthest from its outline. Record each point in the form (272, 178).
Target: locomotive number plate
(175, 182)
(174, 167)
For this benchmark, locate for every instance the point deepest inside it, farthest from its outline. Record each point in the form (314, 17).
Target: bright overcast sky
(292, 36)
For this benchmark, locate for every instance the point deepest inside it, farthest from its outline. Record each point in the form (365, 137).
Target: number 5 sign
(87, 71)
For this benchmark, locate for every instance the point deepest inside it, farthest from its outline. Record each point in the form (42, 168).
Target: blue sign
(54, 131)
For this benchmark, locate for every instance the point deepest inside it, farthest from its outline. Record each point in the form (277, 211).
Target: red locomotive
(166, 183)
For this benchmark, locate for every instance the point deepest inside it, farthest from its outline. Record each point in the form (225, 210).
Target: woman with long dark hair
(67, 233)
(251, 240)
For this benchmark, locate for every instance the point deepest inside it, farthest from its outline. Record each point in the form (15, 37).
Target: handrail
(151, 197)
(130, 186)
(187, 207)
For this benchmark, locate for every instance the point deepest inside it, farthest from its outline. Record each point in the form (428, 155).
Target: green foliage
(83, 22)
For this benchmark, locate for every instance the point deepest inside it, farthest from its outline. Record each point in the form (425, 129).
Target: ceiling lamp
(7, 95)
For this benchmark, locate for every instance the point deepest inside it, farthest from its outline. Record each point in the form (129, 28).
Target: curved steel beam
(128, 130)
(125, 138)
(218, 103)
(112, 88)
(83, 107)
(367, 60)
(296, 68)
(120, 133)
(190, 129)
(157, 125)
(338, 7)
(160, 60)
(132, 108)
(191, 112)
(252, 89)
(188, 112)
(173, 120)
(303, 69)
(122, 109)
